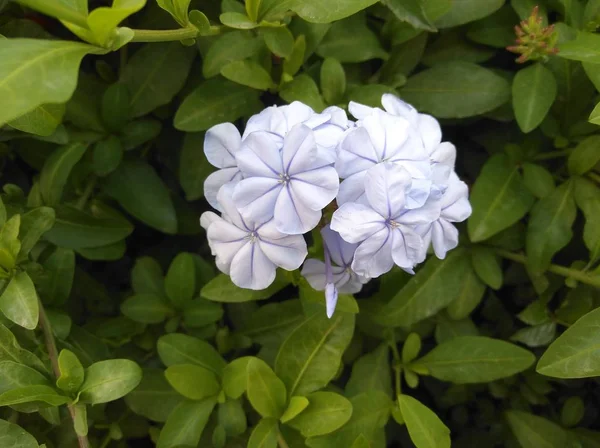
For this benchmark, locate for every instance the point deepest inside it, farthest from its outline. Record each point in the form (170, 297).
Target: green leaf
(71, 372)
(10, 350)
(186, 423)
(333, 80)
(435, 286)
(177, 8)
(264, 434)
(303, 88)
(19, 301)
(153, 398)
(585, 47)
(411, 348)
(156, 73)
(538, 180)
(536, 432)
(237, 20)
(572, 412)
(221, 289)
(533, 93)
(271, 323)
(14, 375)
(447, 329)
(32, 394)
(371, 372)
(34, 224)
(229, 47)
(76, 229)
(595, 115)
(57, 168)
(43, 120)
(192, 381)
(109, 380)
(215, 101)
(180, 282)
(137, 132)
(550, 227)
(309, 358)
(536, 336)
(292, 64)
(107, 155)
(350, 40)
(36, 72)
(14, 436)
(266, 392)
(183, 349)
(83, 109)
(296, 405)
(370, 413)
(499, 199)
(412, 12)
(585, 156)
(146, 308)
(574, 353)
(587, 197)
(487, 266)
(456, 90)
(235, 377)
(454, 47)
(200, 313)
(326, 412)
(425, 428)
(475, 359)
(279, 40)
(140, 191)
(465, 11)
(232, 417)
(147, 277)
(318, 12)
(114, 108)
(248, 73)
(470, 295)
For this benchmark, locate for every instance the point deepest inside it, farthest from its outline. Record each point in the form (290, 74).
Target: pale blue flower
(455, 207)
(292, 183)
(335, 274)
(385, 228)
(381, 137)
(249, 250)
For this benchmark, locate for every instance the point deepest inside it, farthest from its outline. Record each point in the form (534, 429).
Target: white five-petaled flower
(249, 250)
(341, 254)
(292, 183)
(385, 228)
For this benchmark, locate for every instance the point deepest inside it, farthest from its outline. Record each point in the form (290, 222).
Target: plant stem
(594, 176)
(281, 441)
(556, 269)
(55, 9)
(553, 154)
(89, 188)
(164, 35)
(397, 363)
(53, 354)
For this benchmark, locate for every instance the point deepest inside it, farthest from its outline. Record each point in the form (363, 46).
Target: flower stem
(53, 355)
(164, 35)
(555, 269)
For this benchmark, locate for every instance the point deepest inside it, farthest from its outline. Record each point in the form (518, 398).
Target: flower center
(284, 178)
(393, 224)
(252, 236)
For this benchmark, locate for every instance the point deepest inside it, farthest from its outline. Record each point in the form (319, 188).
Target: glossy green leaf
(572, 412)
(186, 423)
(235, 377)
(585, 155)
(34, 224)
(19, 301)
(32, 394)
(538, 180)
(71, 372)
(436, 285)
(109, 380)
(425, 428)
(308, 359)
(232, 417)
(57, 168)
(229, 47)
(475, 359)
(326, 412)
(147, 277)
(533, 431)
(43, 120)
(549, 228)
(272, 322)
(266, 393)
(533, 92)
(304, 89)
(177, 8)
(465, 11)
(138, 132)
(183, 349)
(574, 353)
(471, 292)
(14, 375)
(156, 73)
(146, 308)
(10, 350)
(294, 62)
(297, 404)
(487, 266)
(248, 73)
(115, 107)
(222, 289)
(215, 101)
(499, 199)
(180, 282)
(192, 381)
(411, 11)
(319, 12)
(36, 72)
(279, 40)
(108, 155)
(371, 372)
(200, 312)
(447, 329)
(12, 435)
(333, 80)
(237, 20)
(140, 191)
(587, 197)
(264, 434)
(411, 348)
(595, 115)
(585, 47)
(153, 398)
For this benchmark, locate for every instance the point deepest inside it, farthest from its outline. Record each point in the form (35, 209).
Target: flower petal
(373, 256)
(221, 142)
(292, 216)
(331, 298)
(207, 218)
(455, 201)
(230, 211)
(300, 151)
(386, 185)
(359, 111)
(340, 251)
(395, 106)
(216, 180)
(225, 241)
(297, 112)
(430, 131)
(314, 272)
(444, 153)
(356, 222)
(316, 188)
(270, 119)
(406, 247)
(251, 269)
(424, 215)
(352, 189)
(356, 153)
(287, 253)
(419, 192)
(259, 156)
(255, 198)
(388, 133)
(444, 237)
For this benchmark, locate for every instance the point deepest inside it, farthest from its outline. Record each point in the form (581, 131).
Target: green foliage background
(117, 331)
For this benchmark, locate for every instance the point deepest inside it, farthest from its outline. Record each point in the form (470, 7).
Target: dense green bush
(117, 330)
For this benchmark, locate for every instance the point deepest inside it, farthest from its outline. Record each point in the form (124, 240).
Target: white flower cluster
(399, 194)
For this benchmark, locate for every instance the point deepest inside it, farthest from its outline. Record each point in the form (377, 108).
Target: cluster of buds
(534, 41)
